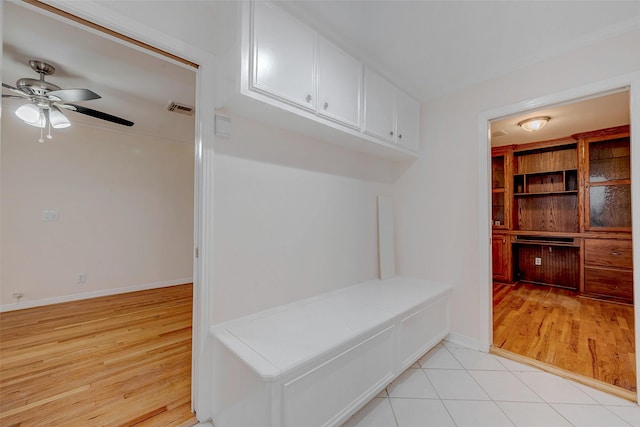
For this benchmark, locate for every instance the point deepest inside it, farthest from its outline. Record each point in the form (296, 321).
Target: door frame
(630, 81)
(203, 171)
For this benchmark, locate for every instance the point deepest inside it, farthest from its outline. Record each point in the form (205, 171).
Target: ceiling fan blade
(100, 115)
(13, 96)
(15, 90)
(8, 86)
(72, 95)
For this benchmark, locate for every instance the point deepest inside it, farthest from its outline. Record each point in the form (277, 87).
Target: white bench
(317, 361)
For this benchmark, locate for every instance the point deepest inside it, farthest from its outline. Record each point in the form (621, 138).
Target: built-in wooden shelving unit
(562, 213)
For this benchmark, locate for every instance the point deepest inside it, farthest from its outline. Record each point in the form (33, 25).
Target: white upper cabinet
(339, 84)
(407, 121)
(283, 55)
(292, 76)
(389, 113)
(378, 106)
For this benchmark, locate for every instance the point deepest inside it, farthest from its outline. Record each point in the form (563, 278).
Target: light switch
(49, 215)
(222, 126)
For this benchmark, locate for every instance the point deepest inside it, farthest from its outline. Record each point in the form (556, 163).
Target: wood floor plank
(109, 361)
(591, 338)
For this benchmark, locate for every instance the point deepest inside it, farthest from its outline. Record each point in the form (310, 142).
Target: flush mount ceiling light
(534, 123)
(46, 101)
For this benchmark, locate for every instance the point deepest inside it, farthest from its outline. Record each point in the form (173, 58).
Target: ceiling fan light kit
(29, 113)
(46, 99)
(57, 119)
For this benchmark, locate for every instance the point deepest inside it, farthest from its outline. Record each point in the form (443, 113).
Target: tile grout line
(482, 388)
(434, 388)
(393, 412)
(528, 388)
(546, 402)
(505, 368)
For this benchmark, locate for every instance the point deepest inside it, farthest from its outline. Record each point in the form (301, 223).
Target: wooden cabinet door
(378, 106)
(283, 56)
(499, 256)
(407, 121)
(339, 85)
(608, 184)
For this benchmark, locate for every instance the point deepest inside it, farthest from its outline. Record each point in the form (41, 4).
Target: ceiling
(585, 115)
(429, 48)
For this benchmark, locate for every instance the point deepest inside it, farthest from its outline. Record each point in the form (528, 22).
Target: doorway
(142, 157)
(545, 308)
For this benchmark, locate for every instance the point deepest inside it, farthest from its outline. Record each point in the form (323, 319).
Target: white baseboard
(466, 341)
(86, 295)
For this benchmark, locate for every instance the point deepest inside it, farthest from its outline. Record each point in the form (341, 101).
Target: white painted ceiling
(429, 48)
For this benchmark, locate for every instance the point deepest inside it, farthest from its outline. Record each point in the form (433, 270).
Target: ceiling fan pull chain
(49, 134)
(41, 140)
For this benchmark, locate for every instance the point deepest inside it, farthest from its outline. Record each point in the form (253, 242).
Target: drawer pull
(615, 253)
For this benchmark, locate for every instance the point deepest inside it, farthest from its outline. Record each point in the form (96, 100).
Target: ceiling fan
(46, 101)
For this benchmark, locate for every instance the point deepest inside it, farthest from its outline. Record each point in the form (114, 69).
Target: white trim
(464, 341)
(635, 205)
(631, 81)
(1, 68)
(94, 294)
(203, 172)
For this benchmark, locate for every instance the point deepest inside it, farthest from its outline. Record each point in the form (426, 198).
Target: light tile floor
(459, 387)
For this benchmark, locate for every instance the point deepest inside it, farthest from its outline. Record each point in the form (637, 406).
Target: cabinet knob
(308, 98)
(391, 133)
(399, 136)
(326, 105)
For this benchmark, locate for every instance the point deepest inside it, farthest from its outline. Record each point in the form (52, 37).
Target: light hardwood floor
(554, 326)
(119, 360)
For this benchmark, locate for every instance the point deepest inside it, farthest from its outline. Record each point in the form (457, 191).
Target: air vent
(176, 107)
(497, 133)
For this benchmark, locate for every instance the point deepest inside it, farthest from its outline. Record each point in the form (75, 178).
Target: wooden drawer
(608, 253)
(609, 283)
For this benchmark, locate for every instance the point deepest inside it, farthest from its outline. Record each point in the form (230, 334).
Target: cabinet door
(407, 121)
(378, 106)
(499, 256)
(339, 84)
(609, 185)
(283, 55)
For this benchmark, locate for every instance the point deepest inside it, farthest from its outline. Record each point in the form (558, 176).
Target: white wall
(294, 217)
(437, 200)
(125, 205)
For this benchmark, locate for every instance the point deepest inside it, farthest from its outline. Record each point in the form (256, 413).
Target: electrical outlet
(538, 261)
(81, 278)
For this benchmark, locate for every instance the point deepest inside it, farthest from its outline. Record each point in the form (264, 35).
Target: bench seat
(315, 362)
